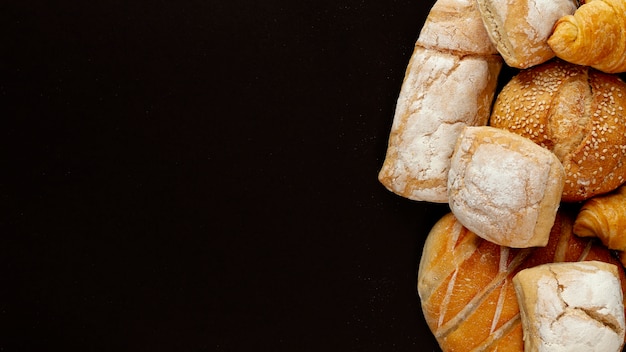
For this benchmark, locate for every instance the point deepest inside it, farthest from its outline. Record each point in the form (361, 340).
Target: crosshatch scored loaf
(466, 288)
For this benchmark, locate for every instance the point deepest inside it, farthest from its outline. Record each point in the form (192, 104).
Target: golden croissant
(595, 35)
(604, 217)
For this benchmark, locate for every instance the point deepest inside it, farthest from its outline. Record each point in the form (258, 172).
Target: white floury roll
(571, 307)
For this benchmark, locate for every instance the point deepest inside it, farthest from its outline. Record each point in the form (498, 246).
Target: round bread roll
(466, 283)
(578, 114)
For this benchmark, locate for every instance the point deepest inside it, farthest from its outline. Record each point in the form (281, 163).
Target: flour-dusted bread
(449, 83)
(576, 112)
(456, 26)
(504, 187)
(466, 288)
(571, 307)
(520, 29)
(441, 94)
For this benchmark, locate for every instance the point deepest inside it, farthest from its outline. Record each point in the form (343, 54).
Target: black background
(202, 176)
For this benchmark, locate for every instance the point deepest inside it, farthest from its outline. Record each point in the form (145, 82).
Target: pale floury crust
(435, 103)
(449, 83)
(571, 307)
(520, 28)
(504, 187)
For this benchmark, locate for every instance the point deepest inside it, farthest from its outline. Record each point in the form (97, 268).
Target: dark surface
(201, 176)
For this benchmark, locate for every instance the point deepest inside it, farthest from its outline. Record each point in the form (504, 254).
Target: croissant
(595, 35)
(605, 217)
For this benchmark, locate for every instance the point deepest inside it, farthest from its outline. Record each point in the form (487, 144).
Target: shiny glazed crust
(504, 187)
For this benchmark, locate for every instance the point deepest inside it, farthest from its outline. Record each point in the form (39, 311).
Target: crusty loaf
(456, 26)
(504, 187)
(465, 282)
(578, 114)
(426, 125)
(595, 35)
(450, 82)
(571, 307)
(520, 29)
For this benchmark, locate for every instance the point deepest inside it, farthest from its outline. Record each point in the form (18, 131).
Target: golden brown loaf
(571, 307)
(446, 86)
(605, 217)
(465, 282)
(503, 187)
(578, 114)
(595, 35)
(520, 29)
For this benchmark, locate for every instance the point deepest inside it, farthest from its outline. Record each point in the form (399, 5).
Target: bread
(450, 82)
(595, 35)
(456, 26)
(504, 187)
(520, 29)
(465, 283)
(571, 307)
(577, 113)
(604, 217)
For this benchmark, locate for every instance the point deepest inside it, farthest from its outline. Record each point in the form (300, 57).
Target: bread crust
(571, 307)
(425, 126)
(504, 187)
(450, 82)
(577, 113)
(465, 282)
(595, 35)
(520, 29)
(456, 26)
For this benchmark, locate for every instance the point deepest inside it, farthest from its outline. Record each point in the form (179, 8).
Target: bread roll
(578, 114)
(456, 26)
(571, 307)
(465, 282)
(520, 29)
(595, 35)
(504, 187)
(450, 82)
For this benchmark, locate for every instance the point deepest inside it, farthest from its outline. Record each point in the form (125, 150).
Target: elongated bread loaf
(520, 29)
(449, 83)
(576, 112)
(465, 282)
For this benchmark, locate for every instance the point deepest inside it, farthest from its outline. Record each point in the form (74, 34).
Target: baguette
(449, 83)
(595, 35)
(576, 112)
